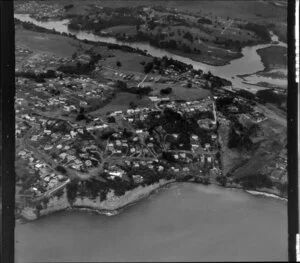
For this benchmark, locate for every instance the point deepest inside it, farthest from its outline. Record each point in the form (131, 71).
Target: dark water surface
(183, 222)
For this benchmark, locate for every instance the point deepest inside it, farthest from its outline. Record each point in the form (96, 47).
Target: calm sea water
(184, 222)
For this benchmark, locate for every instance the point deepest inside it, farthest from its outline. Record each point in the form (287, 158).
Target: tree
(188, 36)
(74, 55)
(121, 85)
(81, 110)
(166, 91)
(80, 117)
(148, 67)
(111, 119)
(221, 179)
(132, 105)
(119, 64)
(204, 21)
(68, 7)
(61, 169)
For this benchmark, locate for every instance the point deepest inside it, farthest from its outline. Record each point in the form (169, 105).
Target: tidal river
(249, 63)
(183, 222)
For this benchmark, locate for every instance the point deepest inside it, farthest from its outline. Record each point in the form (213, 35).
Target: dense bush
(80, 68)
(166, 91)
(204, 20)
(268, 95)
(259, 30)
(40, 77)
(254, 181)
(188, 36)
(68, 7)
(148, 67)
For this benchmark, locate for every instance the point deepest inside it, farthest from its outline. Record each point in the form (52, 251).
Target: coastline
(115, 205)
(257, 192)
(112, 205)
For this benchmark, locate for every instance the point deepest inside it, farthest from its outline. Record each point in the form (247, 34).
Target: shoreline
(107, 207)
(93, 207)
(139, 196)
(129, 41)
(255, 192)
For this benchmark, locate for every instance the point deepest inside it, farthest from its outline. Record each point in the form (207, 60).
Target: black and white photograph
(151, 131)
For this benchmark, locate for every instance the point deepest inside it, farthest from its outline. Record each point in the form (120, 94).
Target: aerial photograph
(151, 130)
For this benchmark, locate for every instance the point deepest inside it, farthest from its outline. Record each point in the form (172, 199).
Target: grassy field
(121, 102)
(258, 11)
(50, 43)
(204, 47)
(129, 30)
(181, 92)
(129, 61)
(246, 10)
(273, 57)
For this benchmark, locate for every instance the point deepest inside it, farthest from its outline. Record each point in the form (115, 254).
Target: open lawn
(121, 102)
(180, 92)
(129, 30)
(129, 61)
(50, 43)
(259, 10)
(273, 57)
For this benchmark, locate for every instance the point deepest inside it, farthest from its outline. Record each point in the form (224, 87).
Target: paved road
(58, 187)
(38, 153)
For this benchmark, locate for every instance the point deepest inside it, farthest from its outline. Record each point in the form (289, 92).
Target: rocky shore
(109, 206)
(113, 204)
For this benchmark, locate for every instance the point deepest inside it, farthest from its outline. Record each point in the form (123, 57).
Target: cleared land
(274, 57)
(49, 43)
(259, 10)
(225, 20)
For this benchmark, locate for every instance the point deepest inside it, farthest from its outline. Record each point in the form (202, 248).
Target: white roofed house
(34, 138)
(59, 146)
(182, 155)
(186, 169)
(73, 134)
(207, 146)
(195, 137)
(63, 155)
(48, 132)
(88, 163)
(160, 168)
(48, 147)
(71, 157)
(137, 178)
(82, 103)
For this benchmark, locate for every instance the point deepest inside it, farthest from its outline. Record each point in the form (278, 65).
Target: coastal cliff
(109, 206)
